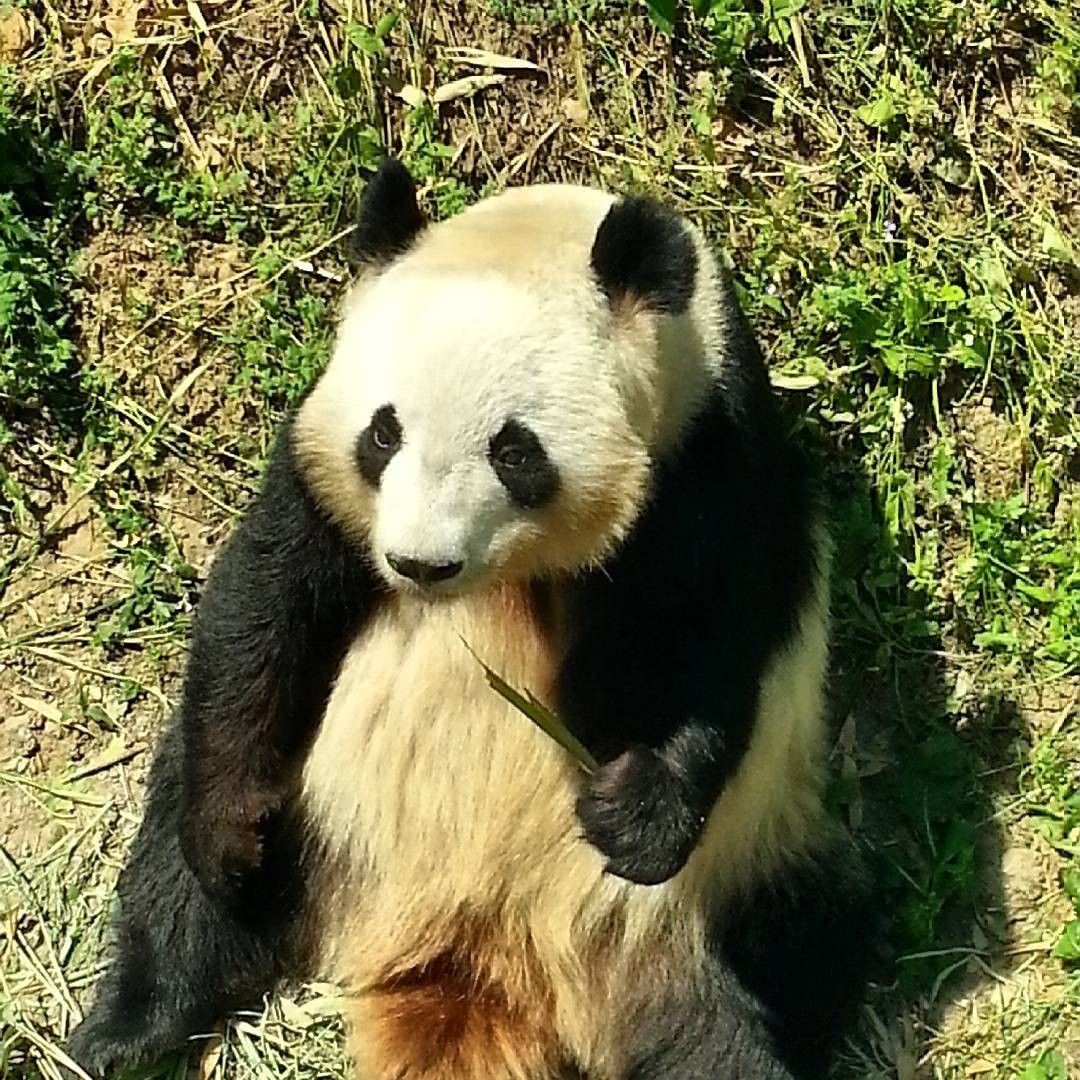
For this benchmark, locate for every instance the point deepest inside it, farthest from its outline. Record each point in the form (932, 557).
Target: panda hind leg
(803, 945)
(179, 961)
(711, 1027)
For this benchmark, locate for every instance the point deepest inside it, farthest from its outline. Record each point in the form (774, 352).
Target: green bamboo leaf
(1068, 946)
(387, 23)
(539, 714)
(663, 13)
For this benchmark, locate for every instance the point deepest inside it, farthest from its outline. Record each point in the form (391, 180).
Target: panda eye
(511, 456)
(384, 431)
(378, 443)
(522, 466)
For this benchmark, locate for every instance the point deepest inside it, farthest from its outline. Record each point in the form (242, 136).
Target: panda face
(473, 430)
(458, 539)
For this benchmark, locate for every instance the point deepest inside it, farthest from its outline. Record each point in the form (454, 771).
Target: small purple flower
(890, 230)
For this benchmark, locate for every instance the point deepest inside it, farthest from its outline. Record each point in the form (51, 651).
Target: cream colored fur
(447, 819)
(451, 807)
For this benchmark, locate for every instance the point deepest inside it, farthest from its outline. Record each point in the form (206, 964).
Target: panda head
(503, 382)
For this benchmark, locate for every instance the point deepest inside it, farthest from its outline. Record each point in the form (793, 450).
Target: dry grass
(898, 185)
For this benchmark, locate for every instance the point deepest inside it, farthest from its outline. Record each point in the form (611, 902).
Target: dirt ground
(194, 327)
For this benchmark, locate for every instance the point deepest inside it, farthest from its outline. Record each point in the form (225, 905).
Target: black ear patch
(389, 218)
(643, 249)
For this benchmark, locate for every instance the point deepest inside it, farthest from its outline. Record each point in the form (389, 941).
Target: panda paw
(109, 1048)
(639, 814)
(223, 844)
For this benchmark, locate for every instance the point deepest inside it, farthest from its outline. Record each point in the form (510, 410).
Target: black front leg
(210, 889)
(670, 715)
(668, 643)
(647, 805)
(180, 962)
(670, 718)
(284, 599)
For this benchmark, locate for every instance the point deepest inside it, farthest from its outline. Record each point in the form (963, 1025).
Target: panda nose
(424, 573)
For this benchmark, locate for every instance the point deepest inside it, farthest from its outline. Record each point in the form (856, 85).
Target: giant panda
(546, 441)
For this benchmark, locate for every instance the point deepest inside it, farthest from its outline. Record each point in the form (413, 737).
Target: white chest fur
(437, 792)
(441, 796)
(452, 841)
(419, 760)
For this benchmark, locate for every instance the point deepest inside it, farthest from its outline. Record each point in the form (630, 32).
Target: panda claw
(635, 814)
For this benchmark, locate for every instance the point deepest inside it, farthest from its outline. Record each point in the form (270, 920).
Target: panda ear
(389, 218)
(644, 250)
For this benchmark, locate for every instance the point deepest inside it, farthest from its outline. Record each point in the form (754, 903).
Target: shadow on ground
(912, 781)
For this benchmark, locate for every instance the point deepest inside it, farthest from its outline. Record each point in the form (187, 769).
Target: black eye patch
(378, 443)
(522, 466)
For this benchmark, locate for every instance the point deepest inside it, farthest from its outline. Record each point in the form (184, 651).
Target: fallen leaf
(466, 87)
(197, 16)
(42, 708)
(483, 58)
(123, 21)
(295, 1015)
(574, 110)
(210, 1057)
(413, 96)
(326, 1005)
(793, 382)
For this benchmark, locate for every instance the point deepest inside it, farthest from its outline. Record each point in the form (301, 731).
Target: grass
(896, 182)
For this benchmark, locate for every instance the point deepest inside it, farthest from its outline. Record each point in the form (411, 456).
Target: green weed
(893, 181)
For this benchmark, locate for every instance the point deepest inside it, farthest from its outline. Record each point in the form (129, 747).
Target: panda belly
(424, 776)
(475, 927)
